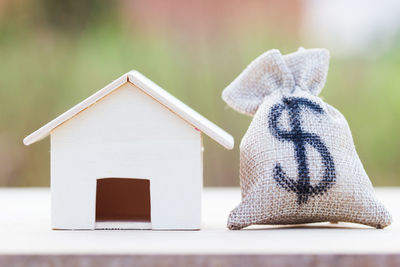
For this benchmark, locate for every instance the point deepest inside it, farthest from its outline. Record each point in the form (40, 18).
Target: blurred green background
(53, 54)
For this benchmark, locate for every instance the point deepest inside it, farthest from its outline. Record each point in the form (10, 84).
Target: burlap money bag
(298, 163)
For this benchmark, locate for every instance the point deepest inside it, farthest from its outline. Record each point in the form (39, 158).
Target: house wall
(127, 134)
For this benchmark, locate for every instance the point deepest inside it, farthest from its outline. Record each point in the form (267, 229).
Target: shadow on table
(346, 226)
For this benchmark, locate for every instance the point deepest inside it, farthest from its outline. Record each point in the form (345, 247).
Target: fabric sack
(298, 163)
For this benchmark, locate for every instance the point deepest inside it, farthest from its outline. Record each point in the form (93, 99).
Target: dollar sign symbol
(300, 138)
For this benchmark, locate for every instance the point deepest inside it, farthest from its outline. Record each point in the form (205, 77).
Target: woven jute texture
(298, 163)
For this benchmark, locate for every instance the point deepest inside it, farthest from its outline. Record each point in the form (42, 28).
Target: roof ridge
(159, 94)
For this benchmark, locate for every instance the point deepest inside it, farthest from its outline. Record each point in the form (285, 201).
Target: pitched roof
(152, 89)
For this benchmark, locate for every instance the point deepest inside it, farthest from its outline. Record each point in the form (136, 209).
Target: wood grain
(27, 239)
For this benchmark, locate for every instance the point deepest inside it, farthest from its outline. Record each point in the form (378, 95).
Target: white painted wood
(45, 130)
(105, 225)
(25, 230)
(126, 135)
(150, 88)
(181, 109)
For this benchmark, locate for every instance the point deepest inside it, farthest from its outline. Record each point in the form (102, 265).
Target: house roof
(152, 89)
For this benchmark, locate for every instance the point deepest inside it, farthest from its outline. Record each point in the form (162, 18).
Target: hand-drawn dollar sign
(300, 138)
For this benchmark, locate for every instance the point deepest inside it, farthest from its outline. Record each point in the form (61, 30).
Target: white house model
(128, 157)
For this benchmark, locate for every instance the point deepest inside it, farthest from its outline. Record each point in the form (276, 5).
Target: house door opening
(123, 203)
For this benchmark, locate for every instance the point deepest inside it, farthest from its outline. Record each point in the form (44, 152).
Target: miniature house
(128, 157)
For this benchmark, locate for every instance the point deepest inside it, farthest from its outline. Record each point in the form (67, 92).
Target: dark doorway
(123, 200)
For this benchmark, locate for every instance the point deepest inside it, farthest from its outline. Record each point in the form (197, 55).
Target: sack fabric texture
(298, 163)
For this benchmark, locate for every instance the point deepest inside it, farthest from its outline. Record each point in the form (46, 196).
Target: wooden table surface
(26, 238)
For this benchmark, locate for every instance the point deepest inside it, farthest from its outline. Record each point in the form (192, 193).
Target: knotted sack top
(306, 69)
